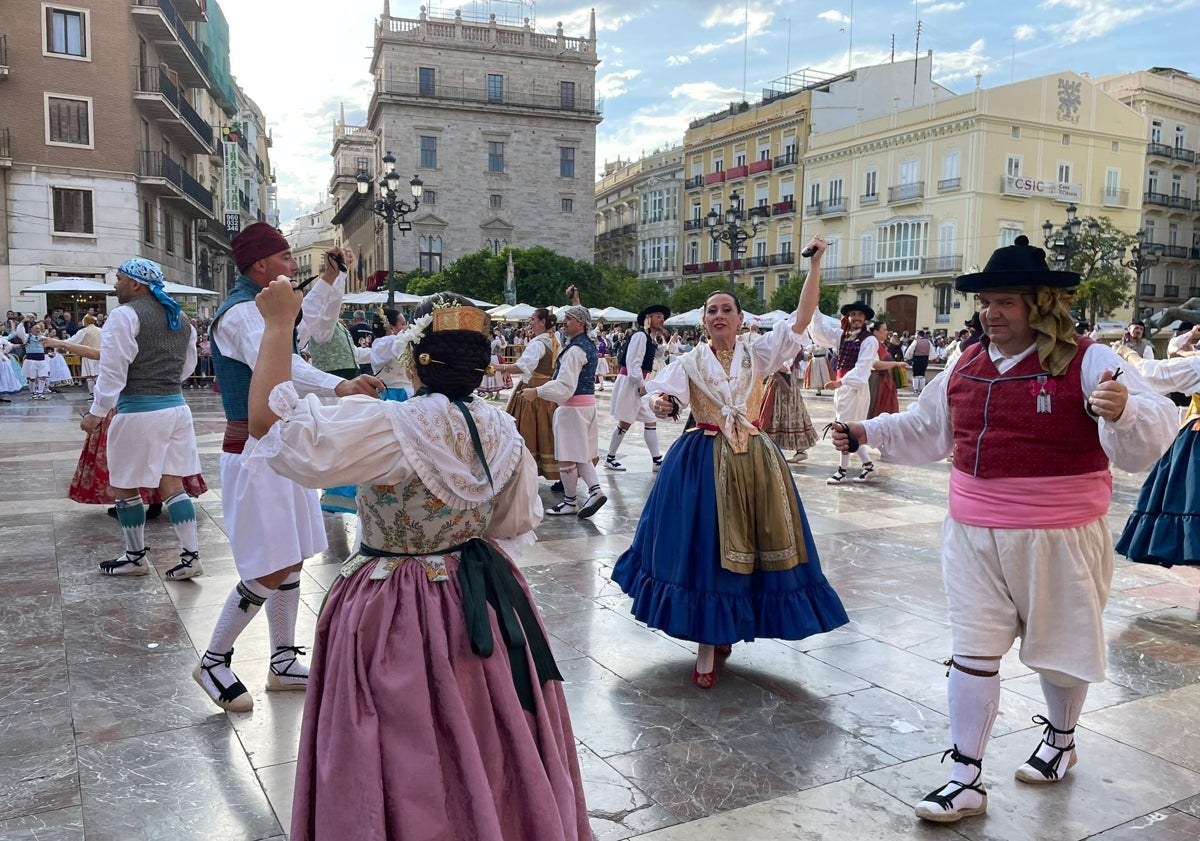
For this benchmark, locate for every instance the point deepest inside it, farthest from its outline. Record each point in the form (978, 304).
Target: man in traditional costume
(1032, 414)
(273, 524)
(147, 349)
(636, 361)
(1135, 340)
(576, 430)
(918, 353)
(856, 351)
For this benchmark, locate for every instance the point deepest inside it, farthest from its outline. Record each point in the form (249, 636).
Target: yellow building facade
(910, 200)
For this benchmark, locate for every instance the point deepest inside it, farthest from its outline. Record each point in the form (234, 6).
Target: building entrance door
(902, 313)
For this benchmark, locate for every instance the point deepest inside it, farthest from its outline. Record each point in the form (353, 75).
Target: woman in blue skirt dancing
(723, 552)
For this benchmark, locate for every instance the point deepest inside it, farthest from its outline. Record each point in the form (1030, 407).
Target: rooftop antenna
(850, 48)
(916, 62)
(893, 57)
(745, 50)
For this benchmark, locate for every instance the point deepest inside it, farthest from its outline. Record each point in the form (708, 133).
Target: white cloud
(834, 16)
(675, 60)
(1090, 19)
(705, 93)
(734, 17)
(613, 84)
(576, 22)
(1024, 32)
(943, 7)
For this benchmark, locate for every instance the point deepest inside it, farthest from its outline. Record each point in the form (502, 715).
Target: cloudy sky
(665, 63)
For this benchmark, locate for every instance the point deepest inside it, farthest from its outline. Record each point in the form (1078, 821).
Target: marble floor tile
(789, 673)
(1164, 725)
(1157, 826)
(192, 783)
(38, 782)
(279, 781)
(618, 809)
(57, 825)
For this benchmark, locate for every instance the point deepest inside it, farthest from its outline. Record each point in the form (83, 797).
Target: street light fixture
(392, 209)
(1140, 259)
(733, 231)
(1064, 240)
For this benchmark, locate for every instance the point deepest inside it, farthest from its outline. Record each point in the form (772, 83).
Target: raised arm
(278, 303)
(810, 293)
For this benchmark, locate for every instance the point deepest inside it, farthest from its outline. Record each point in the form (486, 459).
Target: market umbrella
(71, 284)
(616, 314)
(691, 318)
(517, 312)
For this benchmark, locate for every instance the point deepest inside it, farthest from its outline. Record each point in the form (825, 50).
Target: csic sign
(1014, 185)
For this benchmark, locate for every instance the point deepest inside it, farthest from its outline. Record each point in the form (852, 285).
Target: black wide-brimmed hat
(1019, 264)
(859, 306)
(663, 308)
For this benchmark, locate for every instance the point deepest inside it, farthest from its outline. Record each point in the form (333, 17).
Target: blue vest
(647, 357)
(587, 377)
(232, 375)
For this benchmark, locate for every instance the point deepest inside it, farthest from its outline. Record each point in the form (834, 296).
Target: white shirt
(562, 387)
(118, 347)
(533, 354)
(1133, 442)
(827, 330)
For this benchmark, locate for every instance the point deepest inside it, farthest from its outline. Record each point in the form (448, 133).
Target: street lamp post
(1140, 259)
(1064, 240)
(734, 230)
(392, 209)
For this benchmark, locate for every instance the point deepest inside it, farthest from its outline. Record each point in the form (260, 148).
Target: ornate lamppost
(734, 230)
(392, 209)
(1140, 259)
(1064, 240)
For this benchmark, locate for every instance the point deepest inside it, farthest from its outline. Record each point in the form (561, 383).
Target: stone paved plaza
(103, 734)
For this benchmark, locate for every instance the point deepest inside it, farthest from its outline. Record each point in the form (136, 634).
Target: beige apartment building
(1169, 99)
(752, 154)
(912, 199)
(499, 122)
(110, 146)
(355, 151)
(637, 215)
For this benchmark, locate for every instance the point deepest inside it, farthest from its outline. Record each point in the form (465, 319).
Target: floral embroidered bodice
(410, 520)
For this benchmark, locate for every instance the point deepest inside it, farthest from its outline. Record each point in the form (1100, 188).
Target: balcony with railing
(693, 224)
(868, 199)
(1115, 198)
(164, 176)
(717, 177)
(761, 165)
(758, 261)
(1159, 150)
(1179, 203)
(691, 268)
(946, 263)
(5, 149)
(788, 158)
(507, 100)
(165, 26)
(1170, 291)
(1175, 252)
(694, 183)
(948, 184)
(161, 99)
(1194, 291)
(737, 172)
(782, 208)
(1194, 254)
(906, 193)
(783, 258)
(1147, 290)
(3, 57)
(1160, 199)
(243, 202)
(828, 207)
(1181, 154)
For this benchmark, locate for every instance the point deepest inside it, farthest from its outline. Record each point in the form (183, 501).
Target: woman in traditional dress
(818, 373)
(434, 707)
(602, 348)
(784, 415)
(494, 383)
(90, 485)
(1161, 530)
(11, 381)
(60, 373)
(723, 551)
(88, 336)
(884, 396)
(535, 417)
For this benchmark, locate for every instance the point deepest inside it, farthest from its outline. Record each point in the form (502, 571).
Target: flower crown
(445, 315)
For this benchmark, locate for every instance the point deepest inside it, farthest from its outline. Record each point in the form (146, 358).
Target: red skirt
(90, 482)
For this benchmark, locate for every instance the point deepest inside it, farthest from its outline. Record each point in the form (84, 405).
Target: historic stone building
(499, 122)
(637, 215)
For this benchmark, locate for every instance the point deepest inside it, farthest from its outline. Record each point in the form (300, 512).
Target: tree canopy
(1105, 284)
(787, 296)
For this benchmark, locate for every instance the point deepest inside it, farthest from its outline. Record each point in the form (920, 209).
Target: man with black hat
(856, 351)
(273, 524)
(576, 429)
(1135, 339)
(636, 360)
(1032, 414)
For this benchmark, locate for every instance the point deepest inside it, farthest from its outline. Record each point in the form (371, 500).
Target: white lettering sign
(1055, 190)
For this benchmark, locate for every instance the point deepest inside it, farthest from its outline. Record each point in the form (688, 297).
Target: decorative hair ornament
(445, 315)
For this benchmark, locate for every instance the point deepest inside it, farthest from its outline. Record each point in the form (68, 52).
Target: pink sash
(1030, 502)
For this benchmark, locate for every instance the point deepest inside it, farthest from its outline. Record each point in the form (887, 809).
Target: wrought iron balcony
(1175, 252)
(783, 207)
(1181, 154)
(788, 158)
(949, 184)
(694, 183)
(1116, 198)
(693, 224)
(870, 198)
(160, 173)
(3, 57)
(162, 21)
(452, 94)
(906, 193)
(1179, 202)
(155, 91)
(1160, 199)
(1159, 150)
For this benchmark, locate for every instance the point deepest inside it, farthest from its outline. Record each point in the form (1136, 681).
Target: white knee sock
(652, 442)
(974, 702)
(183, 517)
(131, 514)
(282, 607)
(587, 472)
(1063, 707)
(614, 443)
(569, 476)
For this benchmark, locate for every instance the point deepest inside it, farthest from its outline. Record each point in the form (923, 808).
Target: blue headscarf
(149, 273)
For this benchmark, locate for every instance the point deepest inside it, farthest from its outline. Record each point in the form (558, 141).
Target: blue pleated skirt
(673, 569)
(1164, 527)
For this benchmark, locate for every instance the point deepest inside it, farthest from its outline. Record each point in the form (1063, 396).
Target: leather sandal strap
(946, 801)
(1050, 728)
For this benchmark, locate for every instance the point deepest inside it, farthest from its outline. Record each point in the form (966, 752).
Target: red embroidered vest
(998, 431)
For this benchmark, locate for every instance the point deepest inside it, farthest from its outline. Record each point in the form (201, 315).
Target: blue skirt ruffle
(1164, 527)
(673, 570)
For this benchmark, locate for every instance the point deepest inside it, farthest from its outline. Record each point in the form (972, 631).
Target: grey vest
(161, 350)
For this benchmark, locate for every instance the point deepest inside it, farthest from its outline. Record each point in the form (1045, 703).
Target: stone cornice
(903, 138)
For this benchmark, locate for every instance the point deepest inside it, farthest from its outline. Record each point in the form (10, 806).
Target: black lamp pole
(1064, 240)
(1140, 259)
(392, 209)
(734, 231)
